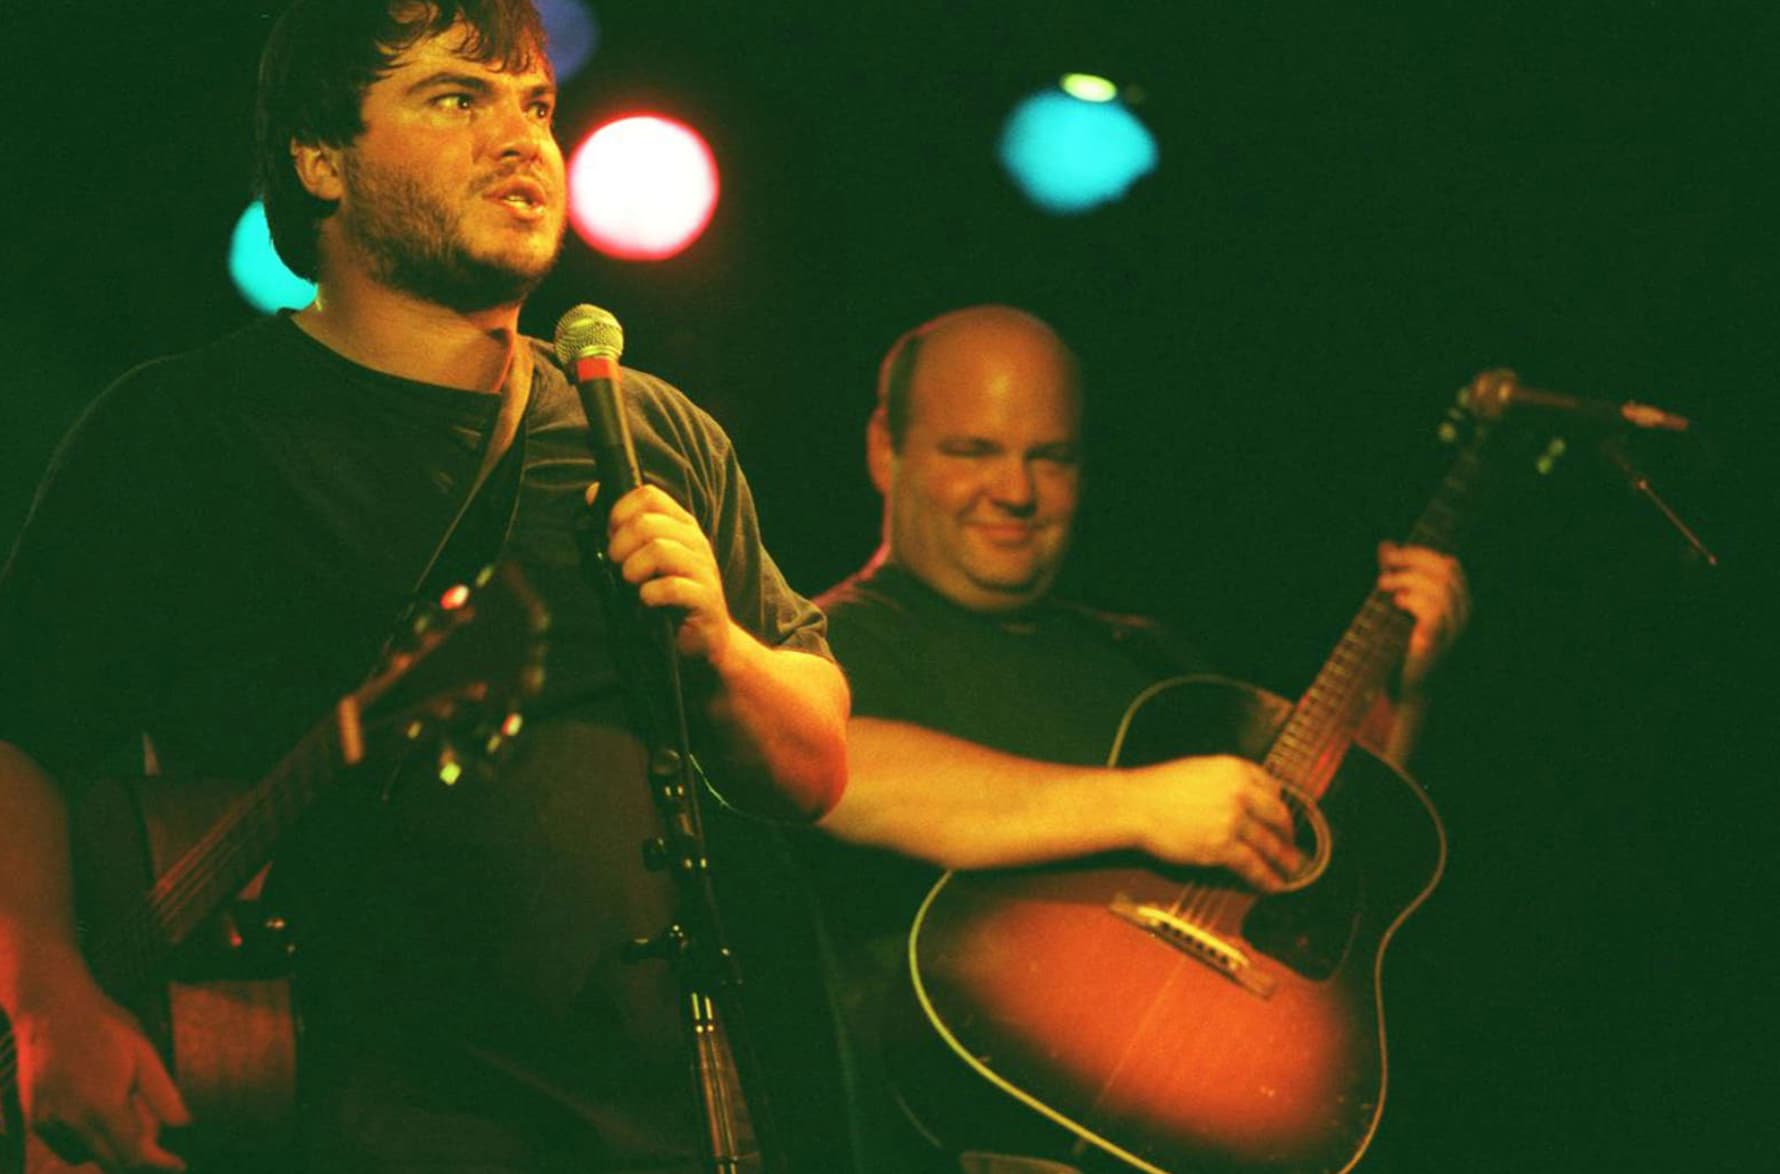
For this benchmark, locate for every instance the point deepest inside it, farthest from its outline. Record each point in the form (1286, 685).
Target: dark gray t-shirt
(218, 552)
(1049, 682)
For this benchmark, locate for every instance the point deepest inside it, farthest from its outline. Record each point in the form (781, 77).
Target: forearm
(779, 717)
(958, 804)
(37, 938)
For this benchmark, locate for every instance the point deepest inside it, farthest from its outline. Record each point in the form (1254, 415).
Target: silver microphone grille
(588, 330)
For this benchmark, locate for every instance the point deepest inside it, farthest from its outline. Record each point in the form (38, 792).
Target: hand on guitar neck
(1431, 587)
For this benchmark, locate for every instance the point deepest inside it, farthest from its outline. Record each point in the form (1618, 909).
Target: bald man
(984, 708)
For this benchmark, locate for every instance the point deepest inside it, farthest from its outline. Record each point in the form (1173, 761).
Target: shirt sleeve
(759, 598)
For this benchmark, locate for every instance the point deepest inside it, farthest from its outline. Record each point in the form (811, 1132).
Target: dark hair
(894, 377)
(323, 55)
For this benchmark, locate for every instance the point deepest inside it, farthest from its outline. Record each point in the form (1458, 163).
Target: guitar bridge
(1196, 942)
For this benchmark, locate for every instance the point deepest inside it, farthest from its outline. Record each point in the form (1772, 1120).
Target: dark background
(1353, 214)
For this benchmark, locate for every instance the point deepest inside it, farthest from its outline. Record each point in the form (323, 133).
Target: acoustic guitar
(1174, 1020)
(167, 871)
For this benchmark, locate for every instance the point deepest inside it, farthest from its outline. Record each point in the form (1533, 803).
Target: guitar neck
(1328, 716)
(206, 876)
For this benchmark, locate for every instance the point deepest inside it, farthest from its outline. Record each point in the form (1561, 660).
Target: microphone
(588, 343)
(1492, 397)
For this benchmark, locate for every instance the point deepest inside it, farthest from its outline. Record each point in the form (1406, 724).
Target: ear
(319, 169)
(880, 454)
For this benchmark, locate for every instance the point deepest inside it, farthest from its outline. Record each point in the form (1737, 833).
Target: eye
(544, 111)
(967, 448)
(456, 100)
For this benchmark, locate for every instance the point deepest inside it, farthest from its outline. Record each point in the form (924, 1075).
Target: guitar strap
(516, 388)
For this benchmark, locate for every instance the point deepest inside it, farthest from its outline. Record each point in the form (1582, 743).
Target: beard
(414, 242)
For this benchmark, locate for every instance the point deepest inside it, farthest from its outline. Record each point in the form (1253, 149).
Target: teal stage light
(260, 276)
(1070, 154)
(573, 32)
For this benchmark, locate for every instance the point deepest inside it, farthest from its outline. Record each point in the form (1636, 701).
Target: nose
(1012, 486)
(518, 134)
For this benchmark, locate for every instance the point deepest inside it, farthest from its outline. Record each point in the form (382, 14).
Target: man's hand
(1216, 811)
(91, 1084)
(658, 547)
(1431, 587)
(776, 717)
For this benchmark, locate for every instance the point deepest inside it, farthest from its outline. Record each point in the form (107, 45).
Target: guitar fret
(222, 861)
(1328, 715)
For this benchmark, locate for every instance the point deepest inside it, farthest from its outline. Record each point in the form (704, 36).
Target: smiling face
(981, 493)
(455, 191)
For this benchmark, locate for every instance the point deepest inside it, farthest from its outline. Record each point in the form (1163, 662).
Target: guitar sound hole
(1310, 929)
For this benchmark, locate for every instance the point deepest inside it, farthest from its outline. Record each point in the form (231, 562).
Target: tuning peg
(1554, 451)
(450, 767)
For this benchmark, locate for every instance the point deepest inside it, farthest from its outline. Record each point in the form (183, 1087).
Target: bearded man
(272, 501)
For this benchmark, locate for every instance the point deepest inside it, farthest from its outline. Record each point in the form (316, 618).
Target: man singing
(219, 551)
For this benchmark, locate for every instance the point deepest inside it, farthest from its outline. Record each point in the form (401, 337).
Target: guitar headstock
(457, 677)
(1480, 405)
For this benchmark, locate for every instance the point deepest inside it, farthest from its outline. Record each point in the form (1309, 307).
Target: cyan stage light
(1070, 154)
(263, 279)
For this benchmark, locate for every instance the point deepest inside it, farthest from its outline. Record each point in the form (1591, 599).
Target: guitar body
(1173, 1019)
(167, 873)
(224, 1022)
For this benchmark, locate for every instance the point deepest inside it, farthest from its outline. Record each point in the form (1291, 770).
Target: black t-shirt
(218, 552)
(1049, 682)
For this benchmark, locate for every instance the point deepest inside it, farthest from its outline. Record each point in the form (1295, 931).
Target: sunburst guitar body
(1176, 1021)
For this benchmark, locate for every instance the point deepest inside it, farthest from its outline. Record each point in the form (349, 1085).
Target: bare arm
(779, 714)
(957, 804)
(36, 906)
(781, 718)
(89, 1080)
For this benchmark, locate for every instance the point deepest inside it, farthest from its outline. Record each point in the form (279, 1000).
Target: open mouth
(524, 198)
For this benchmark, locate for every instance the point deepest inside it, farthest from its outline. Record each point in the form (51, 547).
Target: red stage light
(642, 188)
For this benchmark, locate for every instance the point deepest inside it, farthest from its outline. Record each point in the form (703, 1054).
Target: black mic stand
(1613, 448)
(738, 1136)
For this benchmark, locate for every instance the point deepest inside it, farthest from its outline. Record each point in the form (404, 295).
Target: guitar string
(224, 853)
(138, 941)
(183, 888)
(144, 935)
(1310, 750)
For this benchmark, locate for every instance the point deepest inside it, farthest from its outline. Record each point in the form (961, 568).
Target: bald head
(966, 344)
(974, 447)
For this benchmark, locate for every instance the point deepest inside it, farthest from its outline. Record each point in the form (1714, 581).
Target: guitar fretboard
(1316, 738)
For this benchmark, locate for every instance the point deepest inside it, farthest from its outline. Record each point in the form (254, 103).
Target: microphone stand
(1613, 448)
(738, 1136)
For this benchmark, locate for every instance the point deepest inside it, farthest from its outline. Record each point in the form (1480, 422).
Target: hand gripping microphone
(588, 343)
